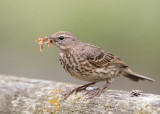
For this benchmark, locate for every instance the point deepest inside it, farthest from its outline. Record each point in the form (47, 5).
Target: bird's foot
(77, 90)
(95, 92)
(100, 90)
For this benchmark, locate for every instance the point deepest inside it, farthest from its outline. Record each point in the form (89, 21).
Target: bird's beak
(51, 39)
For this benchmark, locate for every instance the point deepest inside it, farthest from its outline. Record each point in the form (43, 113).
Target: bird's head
(63, 39)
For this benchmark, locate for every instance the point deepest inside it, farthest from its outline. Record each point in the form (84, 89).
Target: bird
(90, 63)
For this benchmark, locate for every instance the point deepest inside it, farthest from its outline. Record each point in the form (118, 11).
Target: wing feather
(101, 58)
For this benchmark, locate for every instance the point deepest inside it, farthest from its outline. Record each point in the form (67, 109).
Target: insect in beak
(45, 40)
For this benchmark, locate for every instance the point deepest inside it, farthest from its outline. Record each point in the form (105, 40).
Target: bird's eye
(61, 37)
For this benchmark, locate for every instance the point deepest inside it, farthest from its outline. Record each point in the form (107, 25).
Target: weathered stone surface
(34, 96)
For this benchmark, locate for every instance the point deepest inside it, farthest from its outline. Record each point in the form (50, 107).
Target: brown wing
(100, 58)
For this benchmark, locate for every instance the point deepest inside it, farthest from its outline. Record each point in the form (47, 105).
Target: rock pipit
(88, 62)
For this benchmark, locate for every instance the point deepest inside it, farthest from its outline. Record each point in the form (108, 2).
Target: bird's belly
(87, 72)
(81, 69)
(94, 75)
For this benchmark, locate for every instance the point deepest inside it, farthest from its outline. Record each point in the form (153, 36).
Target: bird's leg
(83, 87)
(80, 88)
(100, 90)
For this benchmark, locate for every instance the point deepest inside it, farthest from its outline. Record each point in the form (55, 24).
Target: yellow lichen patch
(48, 109)
(42, 108)
(47, 100)
(56, 91)
(76, 99)
(147, 106)
(56, 103)
(109, 105)
(146, 110)
(58, 97)
(51, 104)
(57, 107)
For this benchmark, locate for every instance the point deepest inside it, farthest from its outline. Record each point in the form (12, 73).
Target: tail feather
(136, 77)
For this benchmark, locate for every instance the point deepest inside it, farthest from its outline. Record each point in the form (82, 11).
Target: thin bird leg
(80, 88)
(84, 87)
(100, 90)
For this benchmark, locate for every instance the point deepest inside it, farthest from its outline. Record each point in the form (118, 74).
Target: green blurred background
(128, 29)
